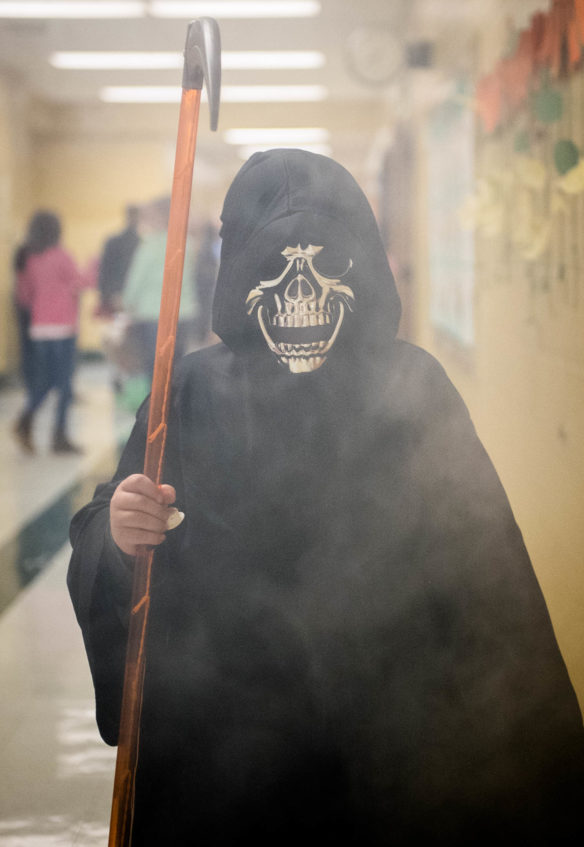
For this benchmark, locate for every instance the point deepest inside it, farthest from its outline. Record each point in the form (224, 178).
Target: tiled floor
(56, 775)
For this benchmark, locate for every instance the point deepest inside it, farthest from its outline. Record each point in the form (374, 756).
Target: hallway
(57, 775)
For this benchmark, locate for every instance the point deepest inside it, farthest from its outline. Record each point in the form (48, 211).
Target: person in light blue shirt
(143, 287)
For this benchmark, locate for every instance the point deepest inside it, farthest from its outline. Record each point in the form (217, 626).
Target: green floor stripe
(25, 556)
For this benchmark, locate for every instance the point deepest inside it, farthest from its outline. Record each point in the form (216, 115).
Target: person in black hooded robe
(347, 640)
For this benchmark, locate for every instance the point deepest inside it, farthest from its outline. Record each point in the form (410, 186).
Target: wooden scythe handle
(202, 62)
(128, 740)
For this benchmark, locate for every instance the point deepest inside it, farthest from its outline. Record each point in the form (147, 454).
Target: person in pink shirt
(49, 287)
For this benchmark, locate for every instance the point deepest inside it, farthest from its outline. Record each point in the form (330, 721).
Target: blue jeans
(53, 368)
(26, 353)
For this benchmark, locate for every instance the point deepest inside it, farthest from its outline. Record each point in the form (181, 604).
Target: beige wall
(16, 177)
(90, 181)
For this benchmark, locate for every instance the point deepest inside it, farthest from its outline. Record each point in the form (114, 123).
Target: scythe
(202, 64)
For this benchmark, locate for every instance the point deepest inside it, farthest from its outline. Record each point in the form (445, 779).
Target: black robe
(347, 640)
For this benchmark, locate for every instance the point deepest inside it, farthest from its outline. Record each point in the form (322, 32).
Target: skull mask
(300, 312)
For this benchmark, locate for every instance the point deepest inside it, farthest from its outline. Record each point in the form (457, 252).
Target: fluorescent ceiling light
(229, 93)
(273, 93)
(234, 8)
(104, 60)
(277, 135)
(140, 94)
(159, 8)
(135, 60)
(72, 9)
(272, 59)
(247, 151)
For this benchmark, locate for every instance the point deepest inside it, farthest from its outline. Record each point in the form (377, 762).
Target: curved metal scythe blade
(203, 62)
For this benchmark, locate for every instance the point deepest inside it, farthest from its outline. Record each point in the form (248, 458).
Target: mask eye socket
(332, 262)
(271, 265)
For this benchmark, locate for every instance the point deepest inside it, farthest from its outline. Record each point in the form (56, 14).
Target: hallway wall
(16, 180)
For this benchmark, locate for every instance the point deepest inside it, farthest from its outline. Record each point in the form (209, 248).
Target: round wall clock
(373, 55)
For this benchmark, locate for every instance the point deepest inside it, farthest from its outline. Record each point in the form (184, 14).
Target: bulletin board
(450, 177)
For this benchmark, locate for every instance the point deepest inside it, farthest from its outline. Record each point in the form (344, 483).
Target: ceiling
(407, 48)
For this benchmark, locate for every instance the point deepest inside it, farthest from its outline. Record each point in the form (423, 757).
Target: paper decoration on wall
(553, 43)
(511, 202)
(531, 172)
(566, 155)
(573, 181)
(548, 106)
(522, 142)
(538, 241)
(489, 101)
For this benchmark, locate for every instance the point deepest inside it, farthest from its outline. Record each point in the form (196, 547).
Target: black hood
(283, 198)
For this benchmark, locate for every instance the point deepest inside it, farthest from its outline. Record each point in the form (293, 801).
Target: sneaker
(63, 445)
(22, 433)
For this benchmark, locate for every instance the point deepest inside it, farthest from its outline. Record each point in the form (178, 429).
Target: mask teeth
(300, 350)
(302, 364)
(298, 308)
(312, 319)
